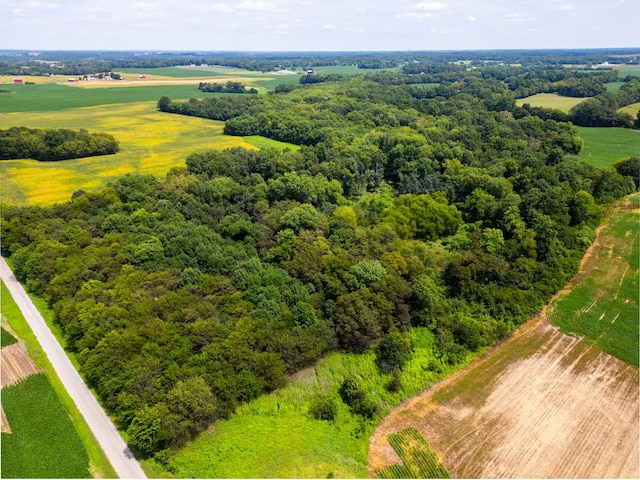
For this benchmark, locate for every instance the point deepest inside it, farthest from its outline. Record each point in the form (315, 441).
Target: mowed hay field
(540, 405)
(551, 100)
(604, 146)
(151, 142)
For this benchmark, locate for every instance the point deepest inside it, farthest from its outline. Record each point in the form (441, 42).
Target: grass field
(52, 97)
(99, 466)
(632, 109)
(151, 142)
(602, 307)
(264, 142)
(605, 146)
(613, 86)
(274, 436)
(43, 442)
(550, 100)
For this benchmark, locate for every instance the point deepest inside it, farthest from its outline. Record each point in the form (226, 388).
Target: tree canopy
(184, 297)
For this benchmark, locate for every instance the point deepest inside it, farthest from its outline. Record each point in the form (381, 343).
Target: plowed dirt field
(16, 364)
(540, 405)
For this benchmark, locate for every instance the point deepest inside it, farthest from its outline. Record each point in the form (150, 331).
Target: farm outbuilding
(17, 80)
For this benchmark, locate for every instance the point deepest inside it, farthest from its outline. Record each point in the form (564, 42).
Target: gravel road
(116, 450)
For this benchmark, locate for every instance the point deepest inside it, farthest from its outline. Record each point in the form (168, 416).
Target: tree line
(185, 297)
(54, 144)
(229, 87)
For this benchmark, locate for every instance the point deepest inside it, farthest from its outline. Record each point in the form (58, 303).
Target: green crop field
(7, 339)
(151, 142)
(419, 460)
(603, 306)
(274, 436)
(624, 70)
(43, 442)
(99, 466)
(53, 97)
(605, 146)
(191, 72)
(551, 100)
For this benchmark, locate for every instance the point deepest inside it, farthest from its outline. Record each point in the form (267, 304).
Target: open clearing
(551, 100)
(604, 146)
(541, 405)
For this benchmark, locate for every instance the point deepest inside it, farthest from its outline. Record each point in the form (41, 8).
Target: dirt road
(116, 450)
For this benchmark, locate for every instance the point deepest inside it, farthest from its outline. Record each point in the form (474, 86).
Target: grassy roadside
(99, 466)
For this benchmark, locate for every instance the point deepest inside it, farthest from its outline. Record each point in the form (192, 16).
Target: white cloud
(471, 18)
(46, 5)
(519, 17)
(145, 6)
(413, 16)
(221, 7)
(330, 27)
(565, 7)
(260, 6)
(431, 6)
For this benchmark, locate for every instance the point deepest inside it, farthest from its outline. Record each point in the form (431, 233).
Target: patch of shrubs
(354, 395)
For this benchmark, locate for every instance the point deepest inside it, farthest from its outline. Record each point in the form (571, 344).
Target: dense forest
(445, 207)
(54, 144)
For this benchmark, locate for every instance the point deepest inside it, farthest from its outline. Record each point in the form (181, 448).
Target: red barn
(17, 80)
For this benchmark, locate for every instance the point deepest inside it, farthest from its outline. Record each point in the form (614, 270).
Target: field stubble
(567, 410)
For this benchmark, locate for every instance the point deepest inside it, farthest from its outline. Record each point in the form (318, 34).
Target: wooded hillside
(185, 297)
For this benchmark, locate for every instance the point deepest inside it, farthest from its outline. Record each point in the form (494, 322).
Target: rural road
(114, 447)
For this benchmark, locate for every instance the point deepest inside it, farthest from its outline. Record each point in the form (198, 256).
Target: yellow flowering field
(151, 142)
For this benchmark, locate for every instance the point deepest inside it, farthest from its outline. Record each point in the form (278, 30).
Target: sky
(317, 25)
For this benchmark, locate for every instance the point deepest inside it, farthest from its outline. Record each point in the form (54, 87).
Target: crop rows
(419, 460)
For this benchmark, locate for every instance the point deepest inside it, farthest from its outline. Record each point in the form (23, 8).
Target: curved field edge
(99, 466)
(566, 407)
(600, 305)
(275, 436)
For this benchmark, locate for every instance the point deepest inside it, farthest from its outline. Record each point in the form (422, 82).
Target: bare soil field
(16, 364)
(540, 405)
